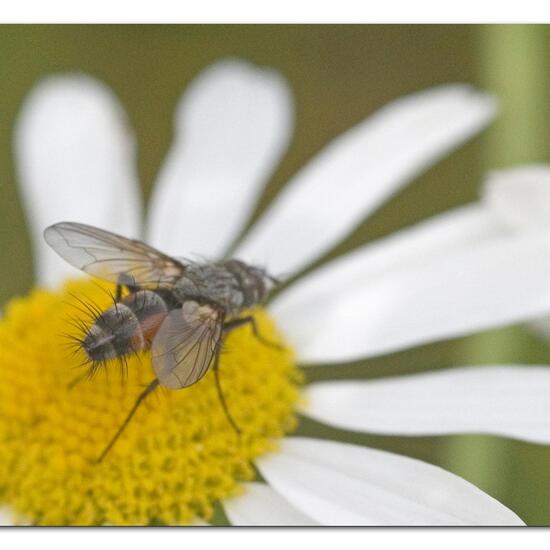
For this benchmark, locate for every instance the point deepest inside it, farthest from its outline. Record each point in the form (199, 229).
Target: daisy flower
(446, 277)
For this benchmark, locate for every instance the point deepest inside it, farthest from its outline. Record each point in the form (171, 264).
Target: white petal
(541, 327)
(361, 169)
(496, 283)
(317, 293)
(260, 505)
(520, 196)
(341, 484)
(76, 162)
(511, 401)
(232, 127)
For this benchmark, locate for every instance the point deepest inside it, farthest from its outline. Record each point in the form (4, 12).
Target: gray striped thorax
(233, 285)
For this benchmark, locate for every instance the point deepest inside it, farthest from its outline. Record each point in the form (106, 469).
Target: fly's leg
(151, 387)
(249, 320)
(227, 328)
(230, 418)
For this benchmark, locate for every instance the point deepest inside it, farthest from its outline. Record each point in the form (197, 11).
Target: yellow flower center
(179, 454)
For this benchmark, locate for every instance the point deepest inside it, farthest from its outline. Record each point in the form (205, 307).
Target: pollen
(178, 456)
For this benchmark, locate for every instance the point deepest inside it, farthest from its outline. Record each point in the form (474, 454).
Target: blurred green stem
(513, 65)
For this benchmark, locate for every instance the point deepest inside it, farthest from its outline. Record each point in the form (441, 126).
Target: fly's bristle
(123, 365)
(108, 292)
(89, 313)
(94, 366)
(89, 318)
(71, 343)
(79, 325)
(104, 335)
(92, 309)
(75, 350)
(71, 340)
(134, 352)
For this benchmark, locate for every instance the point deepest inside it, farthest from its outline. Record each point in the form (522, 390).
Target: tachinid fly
(181, 310)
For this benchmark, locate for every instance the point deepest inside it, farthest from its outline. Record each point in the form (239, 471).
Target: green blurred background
(338, 74)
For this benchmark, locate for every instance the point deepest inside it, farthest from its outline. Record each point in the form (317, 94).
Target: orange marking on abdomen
(148, 328)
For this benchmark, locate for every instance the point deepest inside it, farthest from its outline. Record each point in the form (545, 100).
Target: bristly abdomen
(126, 327)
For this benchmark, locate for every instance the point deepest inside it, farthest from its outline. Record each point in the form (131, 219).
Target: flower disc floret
(178, 456)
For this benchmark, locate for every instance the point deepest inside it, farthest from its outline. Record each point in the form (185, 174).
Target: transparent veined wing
(112, 257)
(186, 344)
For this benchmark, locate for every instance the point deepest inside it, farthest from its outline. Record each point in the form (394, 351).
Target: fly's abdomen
(126, 327)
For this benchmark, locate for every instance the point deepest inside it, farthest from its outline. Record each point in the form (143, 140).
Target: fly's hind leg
(249, 320)
(227, 328)
(216, 369)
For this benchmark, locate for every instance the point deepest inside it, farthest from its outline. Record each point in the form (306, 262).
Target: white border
(280, 11)
(267, 539)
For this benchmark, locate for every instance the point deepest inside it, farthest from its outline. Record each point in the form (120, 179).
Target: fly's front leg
(249, 320)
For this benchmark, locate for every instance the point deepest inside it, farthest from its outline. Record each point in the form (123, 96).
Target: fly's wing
(111, 257)
(186, 344)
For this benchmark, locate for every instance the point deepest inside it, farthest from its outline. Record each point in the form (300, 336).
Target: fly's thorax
(233, 285)
(127, 326)
(252, 281)
(210, 283)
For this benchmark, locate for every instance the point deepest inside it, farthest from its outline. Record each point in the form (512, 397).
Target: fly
(178, 309)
